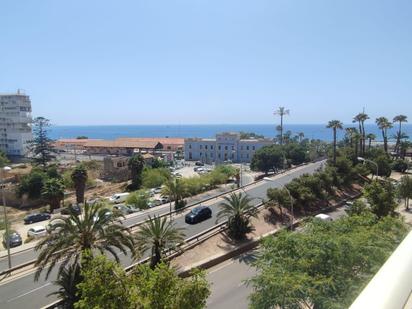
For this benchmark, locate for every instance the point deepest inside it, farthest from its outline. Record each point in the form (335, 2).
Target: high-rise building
(15, 123)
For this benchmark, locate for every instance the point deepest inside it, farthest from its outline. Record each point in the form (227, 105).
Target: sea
(109, 132)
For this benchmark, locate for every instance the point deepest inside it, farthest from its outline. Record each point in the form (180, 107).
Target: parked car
(118, 197)
(198, 163)
(75, 208)
(157, 190)
(123, 209)
(36, 217)
(324, 217)
(14, 240)
(37, 231)
(198, 214)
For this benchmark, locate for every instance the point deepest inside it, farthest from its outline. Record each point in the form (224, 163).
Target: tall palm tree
(361, 118)
(350, 133)
(237, 210)
(79, 178)
(53, 192)
(157, 235)
(176, 191)
(400, 119)
(384, 124)
(301, 135)
(334, 125)
(70, 237)
(281, 111)
(371, 137)
(67, 283)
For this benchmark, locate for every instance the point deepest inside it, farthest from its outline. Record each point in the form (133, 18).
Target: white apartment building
(225, 147)
(15, 123)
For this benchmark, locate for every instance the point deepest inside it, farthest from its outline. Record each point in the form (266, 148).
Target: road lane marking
(29, 292)
(221, 267)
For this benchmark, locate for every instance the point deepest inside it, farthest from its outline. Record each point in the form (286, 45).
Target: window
(218, 155)
(190, 146)
(247, 156)
(253, 147)
(211, 154)
(233, 155)
(220, 147)
(241, 147)
(247, 147)
(200, 154)
(169, 148)
(233, 147)
(206, 147)
(225, 147)
(190, 156)
(211, 147)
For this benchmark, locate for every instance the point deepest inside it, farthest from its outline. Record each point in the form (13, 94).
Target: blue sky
(207, 61)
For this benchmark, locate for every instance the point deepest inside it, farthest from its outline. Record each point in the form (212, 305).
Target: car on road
(198, 214)
(198, 163)
(36, 217)
(324, 217)
(37, 231)
(118, 197)
(14, 240)
(124, 209)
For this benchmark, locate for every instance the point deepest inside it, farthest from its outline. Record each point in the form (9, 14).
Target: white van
(118, 197)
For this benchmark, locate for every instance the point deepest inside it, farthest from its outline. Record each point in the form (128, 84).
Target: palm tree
(79, 178)
(175, 190)
(301, 135)
(334, 125)
(157, 235)
(281, 111)
(384, 124)
(350, 133)
(400, 119)
(237, 210)
(371, 137)
(67, 283)
(136, 165)
(70, 237)
(53, 192)
(361, 118)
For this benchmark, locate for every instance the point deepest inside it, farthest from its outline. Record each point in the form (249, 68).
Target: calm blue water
(312, 131)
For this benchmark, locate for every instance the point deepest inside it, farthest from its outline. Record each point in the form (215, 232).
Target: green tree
(281, 111)
(53, 193)
(268, 158)
(155, 177)
(71, 236)
(281, 197)
(358, 208)
(138, 199)
(3, 159)
(79, 179)
(238, 210)
(175, 190)
(67, 282)
(361, 118)
(315, 267)
(105, 285)
(371, 137)
(296, 153)
(334, 125)
(384, 124)
(136, 165)
(400, 119)
(41, 148)
(32, 184)
(381, 197)
(384, 166)
(405, 190)
(400, 165)
(157, 235)
(162, 288)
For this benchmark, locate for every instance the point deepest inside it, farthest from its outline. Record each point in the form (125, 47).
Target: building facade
(225, 147)
(15, 123)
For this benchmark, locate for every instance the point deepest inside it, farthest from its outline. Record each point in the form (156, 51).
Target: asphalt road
(24, 293)
(227, 279)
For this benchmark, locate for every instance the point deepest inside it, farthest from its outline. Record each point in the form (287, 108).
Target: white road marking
(29, 292)
(221, 267)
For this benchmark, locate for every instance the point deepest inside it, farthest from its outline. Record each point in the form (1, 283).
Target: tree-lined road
(24, 293)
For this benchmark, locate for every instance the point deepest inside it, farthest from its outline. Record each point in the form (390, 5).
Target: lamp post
(370, 161)
(290, 198)
(4, 171)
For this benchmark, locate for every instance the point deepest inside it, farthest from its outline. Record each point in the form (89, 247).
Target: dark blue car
(198, 214)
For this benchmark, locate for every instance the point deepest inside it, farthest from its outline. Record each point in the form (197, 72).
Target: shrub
(155, 177)
(400, 165)
(138, 199)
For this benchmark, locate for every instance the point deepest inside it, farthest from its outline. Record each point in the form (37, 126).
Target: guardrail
(26, 264)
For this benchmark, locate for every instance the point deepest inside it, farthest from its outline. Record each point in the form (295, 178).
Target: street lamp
(4, 171)
(370, 161)
(290, 198)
